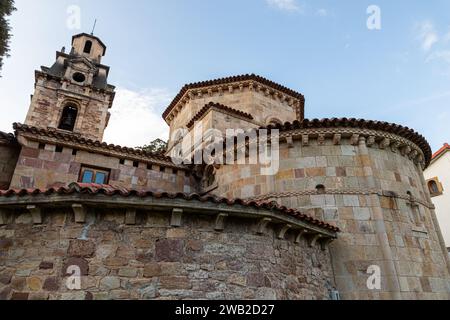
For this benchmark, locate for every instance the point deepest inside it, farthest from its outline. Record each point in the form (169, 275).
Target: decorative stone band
(74, 141)
(79, 197)
(372, 138)
(385, 135)
(221, 108)
(228, 85)
(358, 192)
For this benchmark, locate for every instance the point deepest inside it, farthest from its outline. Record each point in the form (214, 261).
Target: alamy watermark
(374, 19)
(252, 147)
(73, 21)
(374, 281)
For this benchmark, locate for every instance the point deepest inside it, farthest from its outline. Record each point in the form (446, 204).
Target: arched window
(88, 47)
(320, 189)
(433, 187)
(69, 117)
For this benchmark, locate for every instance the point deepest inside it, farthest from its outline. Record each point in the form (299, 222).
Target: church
(349, 203)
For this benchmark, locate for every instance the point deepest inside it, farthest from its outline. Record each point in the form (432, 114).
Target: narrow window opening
(68, 118)
(136, 164)
(74, 152)
(122, 161)
(320, 189)
(41, 146)
(59, 149)
(88, 47)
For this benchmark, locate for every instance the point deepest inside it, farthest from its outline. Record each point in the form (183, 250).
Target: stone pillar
(389, 269)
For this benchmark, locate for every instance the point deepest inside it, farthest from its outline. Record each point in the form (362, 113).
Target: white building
(438, 181)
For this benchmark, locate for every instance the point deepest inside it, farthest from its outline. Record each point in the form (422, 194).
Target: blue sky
(322, 49)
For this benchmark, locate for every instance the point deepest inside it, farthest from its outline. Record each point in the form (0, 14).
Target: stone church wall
(151, 260)
(364, 191)
(43, 167)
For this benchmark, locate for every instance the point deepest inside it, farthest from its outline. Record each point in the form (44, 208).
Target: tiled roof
(67, 137)
(219, 106)
(229, 80)
(89, 36)
(438, 153)
(396, 129)
(7, 138)
(107, 190)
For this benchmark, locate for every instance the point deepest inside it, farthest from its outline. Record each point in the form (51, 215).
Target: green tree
(6, 9)
(156, 146)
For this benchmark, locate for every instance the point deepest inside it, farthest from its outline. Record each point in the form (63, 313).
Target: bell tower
(73, 96)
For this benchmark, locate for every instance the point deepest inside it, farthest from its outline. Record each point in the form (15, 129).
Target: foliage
(6, 9)
(156, 146)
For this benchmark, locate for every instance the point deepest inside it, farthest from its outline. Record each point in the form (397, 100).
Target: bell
(68, 121)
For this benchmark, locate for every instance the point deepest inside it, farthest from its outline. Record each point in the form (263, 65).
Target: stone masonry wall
(366, 196)
(45, 168)
(48, 103)
(262, 107)
(152, 260)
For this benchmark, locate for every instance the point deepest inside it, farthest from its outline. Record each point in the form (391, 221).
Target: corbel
(337, 139)
(300, 235)
(370, 141)
(290, 142)
(36, 214)
(396, 146)
(413, 154)
(283, 230)
(406, 150)
(385, 143)
(130, 217)
(176, 220)
(79, 212)
(263, 224)
(354, 140)
(321, 139)
(220, 221)
(230, 89)
(313, 239)
(305, 140)
(325, 242)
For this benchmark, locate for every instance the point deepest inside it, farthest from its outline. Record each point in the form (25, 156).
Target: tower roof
(227, 81)
(90, 36)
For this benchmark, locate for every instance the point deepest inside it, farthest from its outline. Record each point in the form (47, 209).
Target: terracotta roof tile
(79, 140)
(228, 80)
(7, 138)
(219, 106)
(399, 130)
(108, 190)
(438, 153)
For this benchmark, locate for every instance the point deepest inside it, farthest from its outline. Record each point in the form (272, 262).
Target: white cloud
(427, 35)
(286, 5)
(322, 12)
(136, 117)
(443, 55)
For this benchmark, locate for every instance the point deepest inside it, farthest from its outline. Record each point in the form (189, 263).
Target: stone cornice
(386, 135)
(73, 141)
(350, 192)
(102, 195)
(220, 86)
